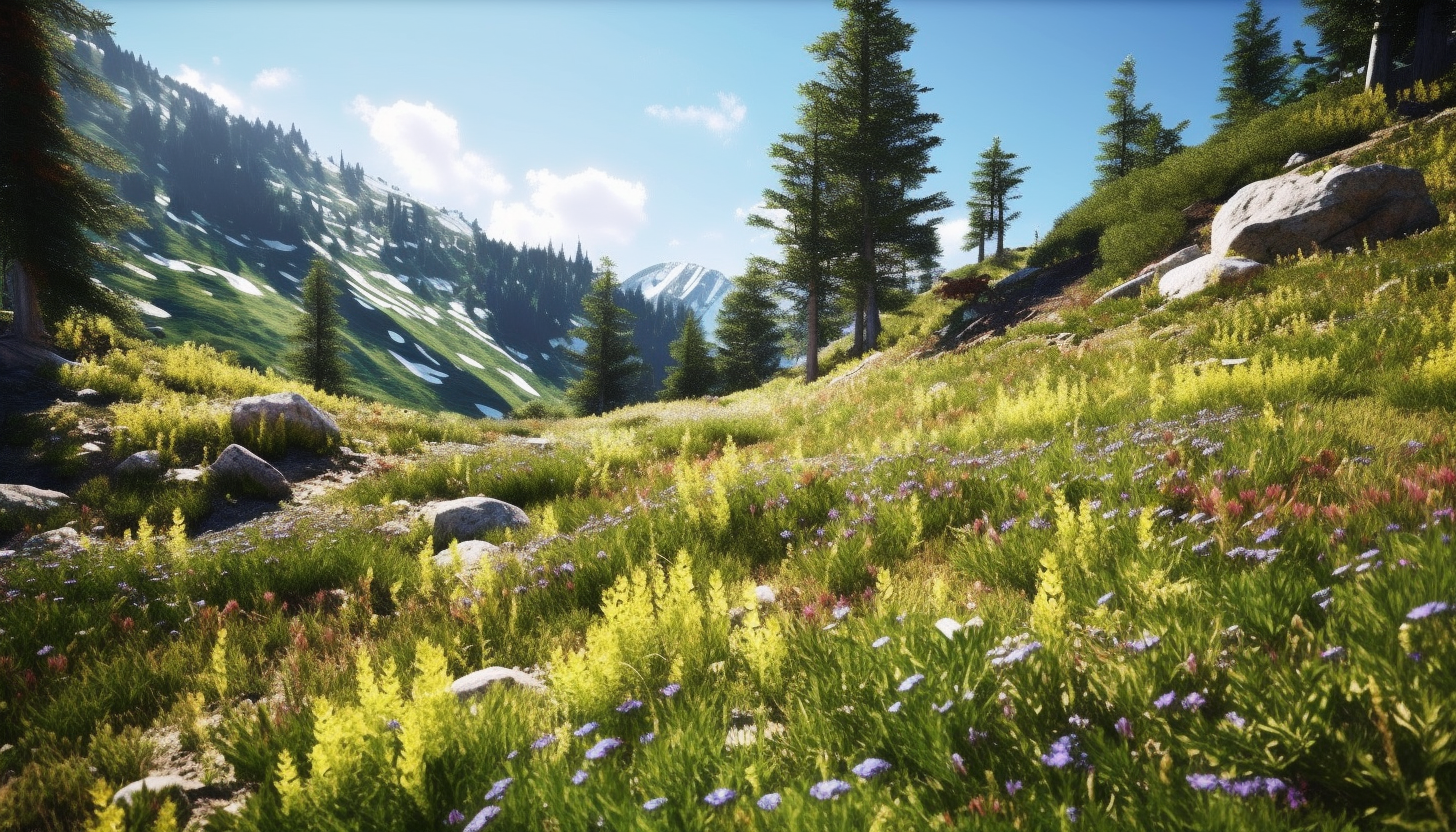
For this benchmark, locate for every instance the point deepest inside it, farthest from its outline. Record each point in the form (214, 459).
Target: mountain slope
(699, 288)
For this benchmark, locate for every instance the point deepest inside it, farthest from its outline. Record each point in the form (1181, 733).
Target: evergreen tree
(804, 232)
(993, 185)
(50, 208)
(318, 342)
(748, 333)
(694, 376)
(1136, 137)
(878, 149)
(1256, 71)
(1375, 33)
(609, 361)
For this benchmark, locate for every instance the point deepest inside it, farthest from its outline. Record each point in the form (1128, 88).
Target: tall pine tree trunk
(872, 320)
(1377, 66)
(811, 349)
(981, 247)
(1001, 233)
(859, 328)
(1431, 54)
(25, 303)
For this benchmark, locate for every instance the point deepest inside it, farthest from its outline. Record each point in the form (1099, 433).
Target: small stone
(474, 684)
(141, 464)
(62, 538)
(468, 518)
(91, 447)
(471, 553)
(180, 786)
(240, 467)
(392, 528)
(89, 396)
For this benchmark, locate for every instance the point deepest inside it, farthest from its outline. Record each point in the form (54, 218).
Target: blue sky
(642, 128)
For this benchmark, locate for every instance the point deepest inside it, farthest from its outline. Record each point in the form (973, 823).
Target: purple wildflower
(629, 706)
(770, 801)
(828, 789)
(871, 768)
(1143, 644)
(1124, 728)
(1425, 610)
(880, 642)
(940, 709)
(913, 680)
(46, 650)
(1193, 701)
(1060, 754)
(483, 817)
(646, 738)
(895, 708)
(455, 816)
(1104, 599)
(654, 804)
(1334, 654)
(1012, 787)
(671, 690)
(1235, 720)
(585, 729)
(1073, 813)
(498, 789)
(392, 725)
(1267, 535)
(579, 777)
(1165, 700)
(841, 611)
(958, 763)
(544, 741)
(603, 748)
(718, 797)
(1203, 782)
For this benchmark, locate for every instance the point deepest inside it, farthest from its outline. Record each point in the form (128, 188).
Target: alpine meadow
(326, 507)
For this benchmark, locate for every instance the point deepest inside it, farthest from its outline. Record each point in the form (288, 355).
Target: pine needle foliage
(993, 185)
(1256, 72)
(748, 333)
(1136, 137)
(318, 343)
(609, 361)
(52, 212)
(694, 376)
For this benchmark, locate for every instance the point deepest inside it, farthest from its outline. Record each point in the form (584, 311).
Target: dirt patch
(999, 310)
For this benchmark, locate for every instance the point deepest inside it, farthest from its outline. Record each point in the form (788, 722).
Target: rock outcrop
(1332, 210)
(474, 684)
(468, 518)
(1134, 287)
(1204, 272)
(19, 499)
(303, 424)
(237, 467)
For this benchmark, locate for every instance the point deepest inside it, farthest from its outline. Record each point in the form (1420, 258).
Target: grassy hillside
(1189, 567)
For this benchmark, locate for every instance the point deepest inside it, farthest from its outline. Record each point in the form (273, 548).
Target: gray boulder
(154, 784)
(470, 517)
(474, 684)
(240, 468)
(1018, 277)
(472, 552)
(1296, 160)
(1134, 287)
(303, 424)
(62, 538)
(1204, 272)
(27, 498)
(90, 396)
(1334, 209)
(141, 464)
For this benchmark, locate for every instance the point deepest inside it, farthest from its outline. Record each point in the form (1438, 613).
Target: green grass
(1183, 554)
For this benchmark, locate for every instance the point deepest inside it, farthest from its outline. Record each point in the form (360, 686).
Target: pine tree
(1374, 33)
(1256, 71)
(50, 208)
(694, 376)
(609, 361)
(879, 149)
(1136, 137)
(804, 232)
(318, 342)
(993, 185)
(748, 333)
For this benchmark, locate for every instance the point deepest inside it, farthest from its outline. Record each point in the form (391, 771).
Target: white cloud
(214, 89)
(423, 141)
(722, 120)
(952, 233)
(592, 206)
(273, 78)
